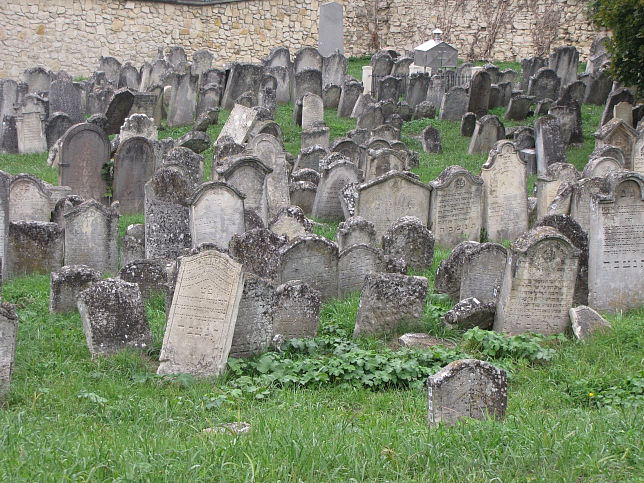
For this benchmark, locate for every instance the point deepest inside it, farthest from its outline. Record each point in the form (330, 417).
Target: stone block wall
(73, 34)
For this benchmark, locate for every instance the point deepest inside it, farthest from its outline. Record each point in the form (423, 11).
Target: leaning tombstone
(615, 97)
(187, 160)
(549, 144)
(518, 108)
(84, 151)
(468, 124)
(616, 245)
(505, 210)
(355, 231)
(410, 240)
(240, 122)
(113, 317)
(5, 180)
(564, 61)
(544, 84)
(91, 236)
(296, 312)
(384, 161)
(8, 339)
(63, 97)
(351, 90)
(33, 247)
(167, 213)
(216, 214)
(582, 194)
(585, 321)
(334, 178)
(67, 283)
(548, 185)
(267, 148)
(30, 122)
(482, 272)
(314, 260)
(201, 322)
(455, 208)
(454, 104)
(248, 174)
(254, 323)
(488, 130)
(469, 313)
(389, 300)
(258, 251)
(448, 274)
(354, 263)
(467, 388)
(538, 284)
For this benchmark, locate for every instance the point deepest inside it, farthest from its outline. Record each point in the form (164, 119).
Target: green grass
(573, 416)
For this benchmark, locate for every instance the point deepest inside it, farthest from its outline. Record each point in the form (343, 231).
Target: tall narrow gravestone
(505, 202)
(5, 180)
(201, 322)
(616, 245)
(85, 149)
(538, 284)
(133, 167)
(8, 338)
(331, 29)
(468, 388)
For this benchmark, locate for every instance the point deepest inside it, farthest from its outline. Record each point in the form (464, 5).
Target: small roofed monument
(435, 53)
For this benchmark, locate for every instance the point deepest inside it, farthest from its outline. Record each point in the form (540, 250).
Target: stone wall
(72, 34)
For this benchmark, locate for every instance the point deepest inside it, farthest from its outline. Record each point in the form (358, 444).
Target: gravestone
(91, 236)
(482, 272)
(454, 105)
(30, 121)
(64, 97)
(529, 68)
(616, 245)
(150, 275)
(469, 313)
(327, 198)
(585, 321)
(240, 122)
(505, 204)
(242, 78)
(388, 88)
(624, 111)
(548, 186)
(431, 140)
(384, 161)
(248, 175)
(111, 67)
(549, 144)
(133, 167)
(564, 61)
(354, 263)
(291, 222)
(312, 111)
(258, 251)
(417, 87)
(254, 323)
(167, 213)
(187, 160)
(348, 148)
(480, 86)
(488, 130)
(129, 77)
(138, 125)
(201, 62)
(601, 167)
(569, 116)
(598, 55)
(334, 69)
(388, 198)
(183, 99)
(615, 97)
(67, 283)
(455, 208)
(307, 58)
(56, 127)
(544, 84)
(29, 199)
(319, 136)
(176, 57)
(118, 109)
(518, 108)
(313, 260)
(355, 231)
(331, 29)
(5, 180)
(467, 388)
(296, 311)
(389, 300)
(582, 194)
(410, 240)
(284, 76)
(309, 158)
(538, 284)
(202, 316)
(574, 92)
(216, 214)
(638, 152)
(272, 153)
(617, 133)
(351, 90)
(132, 245)
(8, 340)
(84, 151)
(33, 247)
(598, 88)
(448, 274)
(468, 124)
(331, 96)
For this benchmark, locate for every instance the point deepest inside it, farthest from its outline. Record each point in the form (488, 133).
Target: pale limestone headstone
(8, 340)
(312, 111)
(201, 322)
(355, 231)
(5, 180)
(585, 321)
(638, 151)
(456, 204)
(617, 133)
(30, 125)
(291, 221)
(409, 240)
(240, 122)
(580, 203)
(388, 198)
(548, 184)
(624, 111)
(367, 78)
(467, 388)
(505, 202)
(354, 263)
(601, 167)
(216, 214)
(334, 178)
(487, 131)
(183, 99)
(616, 245)
(29, 199)
(313, 260)
(538, 285)
(91, 236)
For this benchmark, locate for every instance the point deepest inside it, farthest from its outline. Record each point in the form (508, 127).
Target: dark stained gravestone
(118, 109)
(133, 167)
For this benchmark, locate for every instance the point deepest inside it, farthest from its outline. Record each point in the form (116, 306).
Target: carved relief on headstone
(201, 322)
(617, 133)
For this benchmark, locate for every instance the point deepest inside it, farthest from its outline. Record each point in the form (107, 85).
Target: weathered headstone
(8, 340)
(258, 251)
(482, 272)
(183, 99)
(410, 240)
(471, 312)
(544, 84)
(564, 61)
(30, 125)
(505, 211)
(307, 58)
(383, 161)
(296, 312)
(272, 153)
(468, 124)
(133, 167)
(354, 263)
(455, 104)
(56, 127)
(351, 90)
(33, 247)
(91, 236)
(488, 130)
(308, 80)
(389, 300)
(549, 184)
(201, 322)
(67, 283)
(312, 111)
(615, 97)
(538, 284)
(467, 388)
(187, 160)
(585, 321)
(431, 140)
(479, 93)
(549, 144)
(63, 97)
(240, 122)
(29, 199)
(518, 108)
(334, 177)
(118, 109)
(5, 180)
(616, 245)
(617, 133)
(355, 231)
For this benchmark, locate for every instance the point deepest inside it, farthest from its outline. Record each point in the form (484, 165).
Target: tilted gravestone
(564, 61)
(467, 388)
(167, 213)
(291, 222)
(448, 274)
(383, 161)
(354, 263)
(327, 198)
(410, 240)
(67, 283)
(133, 167)
(271, 152)
(616, 245)
(348, 148)
(296, 312)
(580, 202)
(389, 300)
(63, 97)
(334, 69)
(84, 151)
(454, 104)
(355, 231)
(455, 208)
(132, 244)
(351, 90)
(488, 130)
(57, 126)
(388, 198)
(33, 247)
(216, 214)
(239, 124)
(312, 111)
(615, 96)
(201, 322)
(538, 285)
(187, 160)
(314, 260)
(113, 317)
(529, 68)
(479, 93)
(241, 79)
(585, 321)
(549, 184)
(111, 67)
(482, 272)
(8, 340)
(505, 203)
(518, 108)
(118, 109)
(91, 236)
(29, 199)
